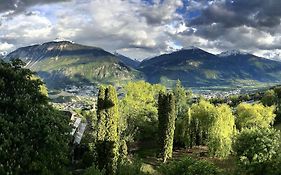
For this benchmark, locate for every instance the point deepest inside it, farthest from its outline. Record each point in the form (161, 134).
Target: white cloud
(5, 46)
(133, 27)
(24, 30)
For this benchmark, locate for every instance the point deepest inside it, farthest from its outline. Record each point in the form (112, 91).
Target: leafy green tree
(256, 115)
(138, 111)
(256, 150)
(107, 134)
(203, 117)
(269, 98)
(34, 136)
(183, 102)
(273, 97)
(182, 99)
(221, 132)
(277, 91)
(167, 116)
(213, 126)
(183, 130)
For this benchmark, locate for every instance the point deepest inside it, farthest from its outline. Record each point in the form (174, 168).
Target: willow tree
(107, 134)
(256, 115)
(222, 132)
(167, 116)
(212, 126)
(139, 109)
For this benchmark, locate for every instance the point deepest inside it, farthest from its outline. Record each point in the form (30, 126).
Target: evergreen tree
(161, 119)
(101, 115)
(107, 134)
(111, 105)
(167, 118)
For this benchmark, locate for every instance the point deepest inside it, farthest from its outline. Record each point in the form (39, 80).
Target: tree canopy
(34, 136)
(254, 115)
(139, 108)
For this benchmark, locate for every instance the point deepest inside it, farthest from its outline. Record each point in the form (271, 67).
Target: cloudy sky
(143, 28)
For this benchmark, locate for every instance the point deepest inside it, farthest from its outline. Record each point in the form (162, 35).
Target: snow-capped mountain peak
(190, 48)
(232, 53)
(62, 39)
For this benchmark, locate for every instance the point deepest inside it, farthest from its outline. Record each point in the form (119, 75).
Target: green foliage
(130, 168)
(34, 136)
(202, 119)
(269, 98)
(221, 132)
(274, 168)
(93, 170)
(125, 168)
(183, 131)
(101, 115)
(139, 110)
(189, 166)
(213, 126)
(167, 116)
(183, 102)
(182, 99)
(256, 150)
(107, 134)
(256, 115)
(87, 146)
(123, 151)
(276, 97)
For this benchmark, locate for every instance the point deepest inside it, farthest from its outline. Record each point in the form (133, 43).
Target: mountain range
(66, 63)
(62, 63)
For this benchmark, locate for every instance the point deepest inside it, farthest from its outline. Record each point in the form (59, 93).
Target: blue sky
(145, 28)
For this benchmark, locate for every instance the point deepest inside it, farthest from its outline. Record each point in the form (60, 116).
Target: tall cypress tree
(101, 128)
(161, 120)
(111, 105)
(101, 115)
(107, 134)
(167, 116)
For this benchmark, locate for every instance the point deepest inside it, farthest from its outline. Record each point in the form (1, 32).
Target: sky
(144, 28)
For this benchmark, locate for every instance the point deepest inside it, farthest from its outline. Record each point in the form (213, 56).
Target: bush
(256, 150)
(93, 170)
(126, 168)
(189, 166)
(130, 168)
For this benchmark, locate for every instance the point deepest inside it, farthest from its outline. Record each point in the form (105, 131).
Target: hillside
(128, 61)
(62, 63)
(196, 67)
